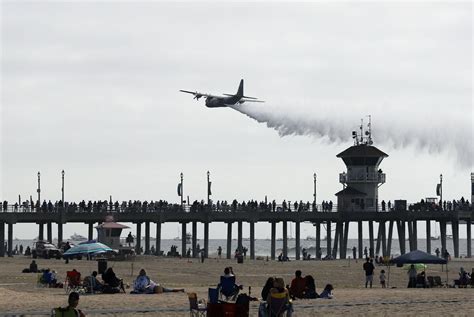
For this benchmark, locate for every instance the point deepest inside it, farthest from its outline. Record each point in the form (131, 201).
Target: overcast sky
(92, 88)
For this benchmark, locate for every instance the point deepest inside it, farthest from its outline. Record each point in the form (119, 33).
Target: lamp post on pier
(62, 188)
(441, 191)
(181, 189)
(208, 188)
(39, 189)
(314, 195)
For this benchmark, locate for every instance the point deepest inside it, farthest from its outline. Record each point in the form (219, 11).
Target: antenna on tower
(368, 133)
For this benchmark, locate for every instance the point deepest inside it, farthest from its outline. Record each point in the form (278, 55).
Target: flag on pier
(209, 188)
(438, 189)
(180, 190)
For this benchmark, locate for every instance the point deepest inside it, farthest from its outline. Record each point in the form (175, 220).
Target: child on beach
(382, 278)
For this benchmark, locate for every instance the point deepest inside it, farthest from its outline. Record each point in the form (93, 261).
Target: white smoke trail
(430, 133)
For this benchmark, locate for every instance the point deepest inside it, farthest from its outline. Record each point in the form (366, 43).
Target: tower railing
(371, 177)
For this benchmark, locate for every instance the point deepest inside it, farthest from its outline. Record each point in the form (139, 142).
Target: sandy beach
(20, 295)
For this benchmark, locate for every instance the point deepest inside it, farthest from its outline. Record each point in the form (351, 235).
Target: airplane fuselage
(217, 102)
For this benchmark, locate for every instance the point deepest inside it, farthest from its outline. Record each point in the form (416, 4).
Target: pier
(405, 221)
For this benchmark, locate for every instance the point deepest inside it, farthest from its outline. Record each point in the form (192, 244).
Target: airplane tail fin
(240, 92)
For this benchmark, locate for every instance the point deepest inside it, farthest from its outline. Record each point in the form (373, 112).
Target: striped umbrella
(88, 247)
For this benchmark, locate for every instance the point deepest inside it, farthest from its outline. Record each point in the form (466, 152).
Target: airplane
(220, 101)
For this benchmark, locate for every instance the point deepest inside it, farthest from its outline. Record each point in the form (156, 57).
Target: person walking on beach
(369, 272)
(365, 252)
(354, 253)
(219, 252)
(437, 252)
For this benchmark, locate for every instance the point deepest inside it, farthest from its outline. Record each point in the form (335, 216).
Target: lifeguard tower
(363, 177)
(109, 233)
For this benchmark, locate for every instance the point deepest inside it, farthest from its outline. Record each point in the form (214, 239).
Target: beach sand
(19, 293)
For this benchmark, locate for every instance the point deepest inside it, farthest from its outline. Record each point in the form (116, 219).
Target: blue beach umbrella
(88, 247)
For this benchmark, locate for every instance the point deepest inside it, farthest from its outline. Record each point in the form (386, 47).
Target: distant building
(109, 233)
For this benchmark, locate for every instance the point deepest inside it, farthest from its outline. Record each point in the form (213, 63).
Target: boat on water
(189, 238)
(434, 238)
(77, 237)
(449, 236)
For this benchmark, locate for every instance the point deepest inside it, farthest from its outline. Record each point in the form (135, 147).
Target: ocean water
(262, 246)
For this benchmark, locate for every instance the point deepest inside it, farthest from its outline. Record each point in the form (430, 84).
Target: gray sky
(92, 88)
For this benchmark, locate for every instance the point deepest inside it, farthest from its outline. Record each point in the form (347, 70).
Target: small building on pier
(363, 177)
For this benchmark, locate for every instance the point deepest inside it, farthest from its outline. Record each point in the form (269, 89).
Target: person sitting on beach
(310, 287)
(298, 285)
(112, 281)
(278, 299)
(463, 277)
(70, 310)
(327, 293)
(227, 285)
(33, 267)
(92, 283)
(144, 285)
(49, 277)
(266, 288)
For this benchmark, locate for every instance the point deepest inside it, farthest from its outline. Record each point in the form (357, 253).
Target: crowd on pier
(219, 206)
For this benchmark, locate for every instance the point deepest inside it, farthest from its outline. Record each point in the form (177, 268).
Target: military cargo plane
(226, 100)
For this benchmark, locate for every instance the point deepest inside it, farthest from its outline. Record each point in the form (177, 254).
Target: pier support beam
(239, 236)
(158, 238)
(229, 239)
(2, 239)
(384, 238)
(318, 241)
(206, 239)
(273, 238)
(138, 245)
(49, 231)
(428, 236)
(401, 236)
(147, 237)
(297, 240)
(41, 231)
(183, 239)
(455, 230)
(390, 234)
(469, 237)
(360, 241)
(336, 241)
(346, 237)
(379, 239)
(410, 234)
(371, 239)
(285, 239)
(252, 240)
(415, 235)
(442, 232)
(328, 238)
(10, 239)
(60, 233)
(90, 231)
(194, 239)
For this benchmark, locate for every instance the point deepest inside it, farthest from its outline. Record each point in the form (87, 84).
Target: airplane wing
(196, 94)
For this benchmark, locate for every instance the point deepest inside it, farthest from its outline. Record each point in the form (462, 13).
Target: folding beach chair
(196, 309)
(278, 305)
(73, 282)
